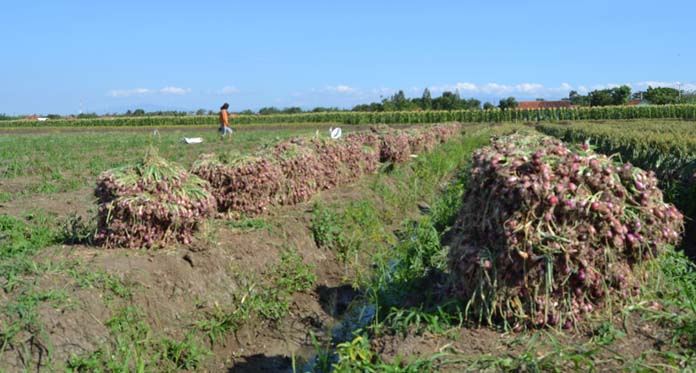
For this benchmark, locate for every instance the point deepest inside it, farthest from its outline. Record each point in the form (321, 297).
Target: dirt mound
(547, 234)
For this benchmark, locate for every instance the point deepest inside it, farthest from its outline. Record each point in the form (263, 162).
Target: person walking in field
(225, 122)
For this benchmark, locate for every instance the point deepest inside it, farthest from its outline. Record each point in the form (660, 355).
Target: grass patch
(136, 348)
(66, 161)
(248, 224)
(266, 298)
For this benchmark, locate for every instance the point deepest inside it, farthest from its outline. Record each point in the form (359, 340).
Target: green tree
(662, 95)
(507, 103)
(375, 106)
(269, 110)
(200, 112)
(578, 99)
(471, 104)
(320, 109)
(613, 96)
(291, 110)
(601, 97)
(398, 102)
(620, 95)
(448, 101)
(488, 106)
(426, 100)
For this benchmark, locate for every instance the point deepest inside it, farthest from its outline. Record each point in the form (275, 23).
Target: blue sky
(187, 55)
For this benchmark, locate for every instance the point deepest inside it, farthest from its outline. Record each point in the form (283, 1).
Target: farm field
(681, 111)
(36, 166)
(350, 279)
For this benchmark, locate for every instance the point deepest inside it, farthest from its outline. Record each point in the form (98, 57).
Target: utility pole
(679, 89)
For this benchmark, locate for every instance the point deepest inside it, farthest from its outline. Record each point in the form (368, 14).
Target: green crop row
(668, 148)
(390, 117)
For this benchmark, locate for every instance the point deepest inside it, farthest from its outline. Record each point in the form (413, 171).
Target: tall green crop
(391, 117)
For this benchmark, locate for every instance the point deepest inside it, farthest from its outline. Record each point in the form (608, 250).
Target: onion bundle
(422, 141)
(247, 184)
(294, 170)
(302, 176)
(151, 204)
(395, 147)
(547, 234)
(341, 162)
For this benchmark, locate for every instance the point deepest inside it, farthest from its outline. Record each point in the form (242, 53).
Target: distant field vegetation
(682, 111)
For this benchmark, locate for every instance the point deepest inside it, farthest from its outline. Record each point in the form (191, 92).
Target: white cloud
(171, 90)
(228, 90)
(652, 83)
(128, 92)
(676, 85)
(537, 90)
(340, 89)
(497, 89)
(383, 91)
(466, 87)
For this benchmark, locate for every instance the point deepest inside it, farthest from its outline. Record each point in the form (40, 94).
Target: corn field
(391, 117)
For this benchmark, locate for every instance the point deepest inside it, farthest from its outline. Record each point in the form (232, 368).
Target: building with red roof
(543, 104)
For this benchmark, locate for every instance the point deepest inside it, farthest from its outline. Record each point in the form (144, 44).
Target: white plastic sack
(192, 140)
(335, 133)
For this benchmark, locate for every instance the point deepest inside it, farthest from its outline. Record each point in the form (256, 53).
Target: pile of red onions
(151, 204)
(293, 171)
(246, 184)
(547, 234)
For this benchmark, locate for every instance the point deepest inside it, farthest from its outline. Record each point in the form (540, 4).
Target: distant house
(543, 104)
(638, 103)
(36, 117)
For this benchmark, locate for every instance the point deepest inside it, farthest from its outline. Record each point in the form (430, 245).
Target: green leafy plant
(75, 230)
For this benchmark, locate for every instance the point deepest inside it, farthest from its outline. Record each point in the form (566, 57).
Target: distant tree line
(399, 102)
(602, 97)
(448, 100)
(621, 95)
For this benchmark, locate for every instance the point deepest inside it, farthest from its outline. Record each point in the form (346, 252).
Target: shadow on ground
(262, 363)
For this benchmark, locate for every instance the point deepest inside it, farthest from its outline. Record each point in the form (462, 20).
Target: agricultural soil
(177, 287)
(180, 286)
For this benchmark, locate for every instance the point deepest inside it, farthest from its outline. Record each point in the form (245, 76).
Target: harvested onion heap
(151, 204)
(289, 173)
(547, 234)
(246, 184)
(294, 170)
